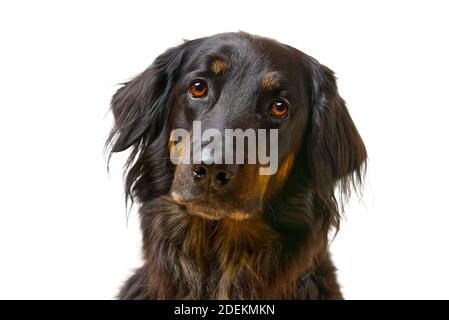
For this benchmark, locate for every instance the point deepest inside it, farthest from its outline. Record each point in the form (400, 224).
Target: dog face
(235, 81)
(229, 83)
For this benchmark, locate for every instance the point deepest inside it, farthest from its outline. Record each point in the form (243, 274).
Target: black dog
(214, 231)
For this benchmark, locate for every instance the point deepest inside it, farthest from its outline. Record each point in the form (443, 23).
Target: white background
(63, 227)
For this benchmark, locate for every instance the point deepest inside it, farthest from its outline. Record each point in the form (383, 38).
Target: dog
(225, 231)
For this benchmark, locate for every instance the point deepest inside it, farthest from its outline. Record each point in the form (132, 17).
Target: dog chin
(211, 215)
(209, 212)
(236, 215)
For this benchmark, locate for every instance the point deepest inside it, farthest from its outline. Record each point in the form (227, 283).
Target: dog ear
(336, 152)
(141, 106)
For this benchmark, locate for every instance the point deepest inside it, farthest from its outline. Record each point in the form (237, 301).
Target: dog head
(235, 81)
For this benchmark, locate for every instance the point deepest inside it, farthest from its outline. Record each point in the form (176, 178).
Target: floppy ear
(141, 106)
(336, 152)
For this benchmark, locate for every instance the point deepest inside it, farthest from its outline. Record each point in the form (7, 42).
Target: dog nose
(199, 172)
(217, 175)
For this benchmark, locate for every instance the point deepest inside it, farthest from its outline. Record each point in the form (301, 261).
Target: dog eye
(198, 89)
(279, 108)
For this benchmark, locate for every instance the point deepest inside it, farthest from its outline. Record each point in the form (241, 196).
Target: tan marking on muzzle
(285, 169)
(263, 184)
(180, 146)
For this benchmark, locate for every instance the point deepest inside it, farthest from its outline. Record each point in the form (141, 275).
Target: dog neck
(192, 257)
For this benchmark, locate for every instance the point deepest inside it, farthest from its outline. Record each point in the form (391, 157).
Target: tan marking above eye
(218, 66)
(269, 81)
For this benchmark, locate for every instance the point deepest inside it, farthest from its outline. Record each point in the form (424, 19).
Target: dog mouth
(209, 210)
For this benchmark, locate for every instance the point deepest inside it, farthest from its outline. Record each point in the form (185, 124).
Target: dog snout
(214, 175)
